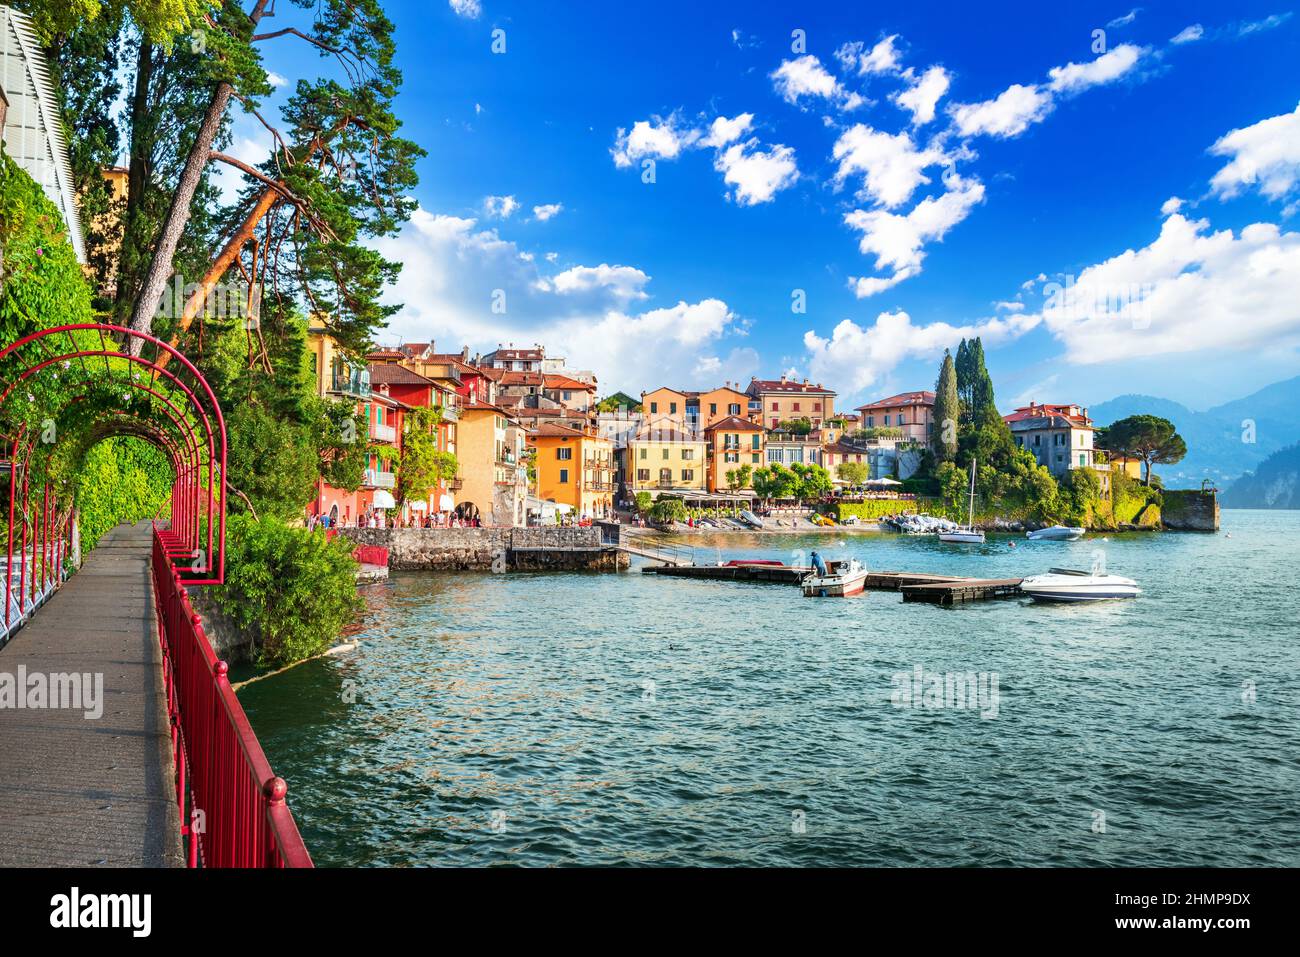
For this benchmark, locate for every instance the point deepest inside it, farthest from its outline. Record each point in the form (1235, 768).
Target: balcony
(383, 433)
(455, 484)
(377, 479)
(355, 383)
(450, 413)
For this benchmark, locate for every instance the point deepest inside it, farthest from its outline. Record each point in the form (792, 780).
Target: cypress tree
(947, 409)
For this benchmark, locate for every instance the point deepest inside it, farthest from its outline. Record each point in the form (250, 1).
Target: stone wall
(491, 549)
(1189, 510)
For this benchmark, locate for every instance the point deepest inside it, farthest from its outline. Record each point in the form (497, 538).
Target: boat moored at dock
(839, 580)
(1057, 533)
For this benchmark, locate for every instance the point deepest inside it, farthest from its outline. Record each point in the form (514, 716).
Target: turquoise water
(560, 719)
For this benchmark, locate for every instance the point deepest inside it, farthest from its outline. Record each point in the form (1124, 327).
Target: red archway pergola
(96, 381)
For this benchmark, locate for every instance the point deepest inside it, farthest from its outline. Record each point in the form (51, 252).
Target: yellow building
(664, 459)
(786, 399)
(575, 468)
(490, 446)
(733, 443)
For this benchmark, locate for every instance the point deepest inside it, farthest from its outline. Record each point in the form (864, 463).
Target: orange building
(785, 399)
(733, 443)
(574, 467)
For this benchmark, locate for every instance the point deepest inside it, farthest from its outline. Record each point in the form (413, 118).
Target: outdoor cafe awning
(384, 499)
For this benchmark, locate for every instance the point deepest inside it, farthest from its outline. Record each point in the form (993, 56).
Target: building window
(672, 408)
(654, 407)
(564, 476)
(775, 423)
(643, 475)
(666, 476)
(643, 451)
(731, 457)
(871, 421)
(1038, 440)
(665, 453)
(713, 408)
(754, 458)
(817, 406)
(688, 475)
(773, 455)
(733, 409)
(795, 407)
(756, 441)
(688, 454)
(886, 419)
(776, 406)
(564, 454)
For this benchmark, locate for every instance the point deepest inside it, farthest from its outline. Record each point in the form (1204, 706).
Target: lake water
(564, 718)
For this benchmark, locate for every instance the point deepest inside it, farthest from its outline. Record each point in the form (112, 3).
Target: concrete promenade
(78, 791)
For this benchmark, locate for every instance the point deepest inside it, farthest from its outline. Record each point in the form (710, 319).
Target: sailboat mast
(970, 513)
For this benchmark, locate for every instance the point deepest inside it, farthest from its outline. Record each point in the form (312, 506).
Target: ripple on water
(623, 719)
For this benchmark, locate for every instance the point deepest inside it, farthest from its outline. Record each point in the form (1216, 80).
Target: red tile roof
(390, 373)
(734, 423)
(1048, 414)
(758, 386)
(564, 382)
(559, 431)
(902, 399)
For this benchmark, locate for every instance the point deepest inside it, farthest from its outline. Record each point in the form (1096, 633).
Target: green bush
(872, 508)
(294, 589)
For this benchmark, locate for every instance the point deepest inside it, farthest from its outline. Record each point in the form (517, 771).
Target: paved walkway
(85, 792)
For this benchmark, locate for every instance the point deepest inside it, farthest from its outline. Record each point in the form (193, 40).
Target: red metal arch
(189, 426)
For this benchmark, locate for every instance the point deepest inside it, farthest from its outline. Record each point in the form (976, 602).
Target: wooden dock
(915, 586)
(960, 590)
(769, 574)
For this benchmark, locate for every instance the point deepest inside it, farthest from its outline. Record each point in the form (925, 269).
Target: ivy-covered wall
(122, 479)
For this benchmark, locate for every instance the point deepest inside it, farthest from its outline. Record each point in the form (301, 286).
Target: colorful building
(913, 412)
(574, 467)
(1060, 436)
(493, 471)
(663, 459)
(733, 442)
(784, 399)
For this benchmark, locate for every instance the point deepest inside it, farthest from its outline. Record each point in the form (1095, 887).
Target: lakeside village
(518, 439)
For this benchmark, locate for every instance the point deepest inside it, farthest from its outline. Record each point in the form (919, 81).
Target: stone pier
(495, 549)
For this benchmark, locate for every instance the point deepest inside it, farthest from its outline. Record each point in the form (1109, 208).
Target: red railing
(233, 812)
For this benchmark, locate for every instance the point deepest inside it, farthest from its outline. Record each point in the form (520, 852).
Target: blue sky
(907, 168)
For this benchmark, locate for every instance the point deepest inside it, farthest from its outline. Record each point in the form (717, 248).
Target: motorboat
(750, 519)
(966, 534)
(1057, 533)
(842, 579)
(823, 520)
(1067, 584)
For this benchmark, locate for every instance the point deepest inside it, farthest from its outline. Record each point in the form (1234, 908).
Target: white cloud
(469, 9)
(806, 77)
(275, 79)
(657, 138)
(1172, 205)
(452, 269)
(882, 58)
(1268, 23)
(547, 211)
(1189, 290)
(855, 357)
(1008, 306)
(897, 241)
(1107, 68)
(723, 131)
(756, 175)
(1007, 115)
(501, 207)
(624, 282)
(891, 165)
(1189, 34)
(1265, 155)
(1124, 20)
(925, 92)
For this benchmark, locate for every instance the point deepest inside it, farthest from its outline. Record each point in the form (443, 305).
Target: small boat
(823, 520)
(741, 562)
(750, 519)
(1066, 584)
(1057, 533)
(841, 580)
(966, 534)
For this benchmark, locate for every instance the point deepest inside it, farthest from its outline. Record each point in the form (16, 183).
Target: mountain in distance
(1275, 484)
(1218, 439)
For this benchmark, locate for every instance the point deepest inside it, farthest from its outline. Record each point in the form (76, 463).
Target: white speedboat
(750, 519)
(1057, 533)
(1065, 584)
(841, 580)
(966, 534)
